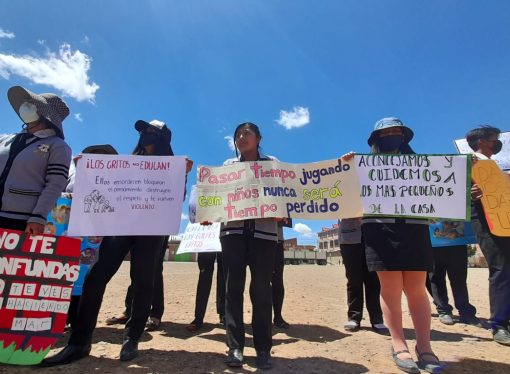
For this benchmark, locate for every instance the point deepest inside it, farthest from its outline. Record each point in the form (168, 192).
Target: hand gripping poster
(36, 277)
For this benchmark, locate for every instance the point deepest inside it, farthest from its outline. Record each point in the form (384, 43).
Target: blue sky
(315, 76)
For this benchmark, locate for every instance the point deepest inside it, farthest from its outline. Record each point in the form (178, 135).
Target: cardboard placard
(264, 189)
(36, 277)
(495, 185)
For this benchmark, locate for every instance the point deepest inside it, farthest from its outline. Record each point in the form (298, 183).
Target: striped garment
(34, 172)
(262, 228)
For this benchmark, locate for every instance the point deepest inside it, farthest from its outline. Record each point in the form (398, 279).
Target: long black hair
(162, 145)
(253, 127)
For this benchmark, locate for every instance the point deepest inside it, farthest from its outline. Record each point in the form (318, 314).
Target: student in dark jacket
(251, 243)
(35, 163)
(485, 143)
(145, 251)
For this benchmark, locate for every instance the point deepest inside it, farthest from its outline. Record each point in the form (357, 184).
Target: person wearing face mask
(399, 250)
(145, 251)
(496, 249)
(35, 163)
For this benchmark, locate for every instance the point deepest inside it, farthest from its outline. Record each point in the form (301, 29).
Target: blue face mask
(390, 143)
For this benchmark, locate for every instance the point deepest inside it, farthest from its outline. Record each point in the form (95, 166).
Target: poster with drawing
(450, 233)
(127, 195)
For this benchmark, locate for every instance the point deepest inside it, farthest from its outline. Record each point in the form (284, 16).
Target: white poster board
(200, 238)
(414, 185)
(127, 195)
(502, 158)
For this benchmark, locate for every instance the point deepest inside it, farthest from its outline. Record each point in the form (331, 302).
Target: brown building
(292, 245)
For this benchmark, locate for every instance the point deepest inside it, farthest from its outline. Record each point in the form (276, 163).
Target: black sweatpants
(357, 274)
(158, 295)
(13, 224)
(206, 266)
(145, 252)
(497, 253)
(277, 282)
(452, 261)
(240, 251)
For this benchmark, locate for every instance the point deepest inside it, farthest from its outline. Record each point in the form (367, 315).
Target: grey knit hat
(48, 105)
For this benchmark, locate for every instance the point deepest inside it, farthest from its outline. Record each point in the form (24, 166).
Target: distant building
(328, 242)
(328, 239)
(173, 244)
(292, 245)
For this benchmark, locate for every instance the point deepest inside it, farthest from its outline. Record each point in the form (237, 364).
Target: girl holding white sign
(145, 260)
(252, 243)
(399, 250)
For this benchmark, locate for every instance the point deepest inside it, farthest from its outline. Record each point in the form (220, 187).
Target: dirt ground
(315, 306)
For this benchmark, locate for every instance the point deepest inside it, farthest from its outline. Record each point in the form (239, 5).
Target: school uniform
(496, 250)
(357, 274)
(249, 243)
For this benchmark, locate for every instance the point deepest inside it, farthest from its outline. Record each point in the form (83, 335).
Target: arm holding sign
(56, 180)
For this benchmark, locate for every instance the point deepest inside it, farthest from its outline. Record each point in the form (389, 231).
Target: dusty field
(315, 305)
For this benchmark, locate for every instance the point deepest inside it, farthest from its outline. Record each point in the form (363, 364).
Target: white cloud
(184, 216)
(298, 117)
(41, 41)
(304, 230)
(66, 70)
(6, 34)
(78, 117)
(86, 40)
(230, 141)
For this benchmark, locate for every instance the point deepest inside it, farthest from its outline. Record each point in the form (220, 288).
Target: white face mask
(28, 112)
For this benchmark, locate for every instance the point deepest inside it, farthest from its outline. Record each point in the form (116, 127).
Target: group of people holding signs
(136, 201)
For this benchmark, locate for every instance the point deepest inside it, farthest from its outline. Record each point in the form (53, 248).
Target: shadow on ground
(157, 361)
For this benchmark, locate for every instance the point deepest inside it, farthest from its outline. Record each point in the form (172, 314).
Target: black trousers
(277, 282)
(145, 252)
(356, 271)
(497, 253)
(158, 295)
(452, 261)
(206, 266)
(240, 251)
(13, 224)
